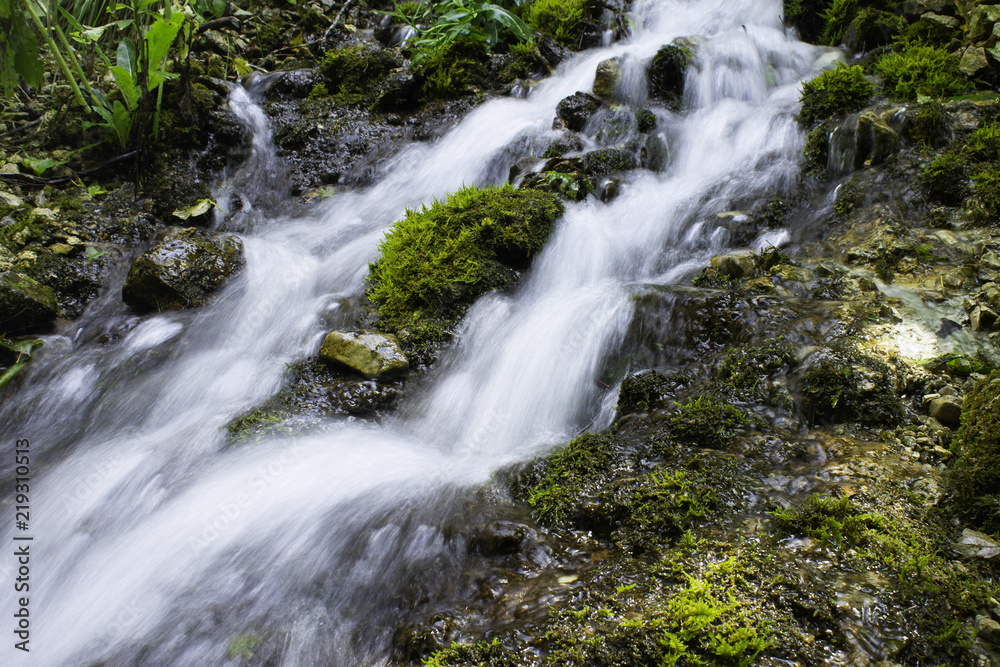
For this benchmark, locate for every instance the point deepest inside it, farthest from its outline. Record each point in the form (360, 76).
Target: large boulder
(368, 352)
(666, 75)
(607, 78)
(575, 110)
(182, 270)
(25, 304)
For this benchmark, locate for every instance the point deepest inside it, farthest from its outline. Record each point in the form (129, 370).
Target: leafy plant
(452, 19)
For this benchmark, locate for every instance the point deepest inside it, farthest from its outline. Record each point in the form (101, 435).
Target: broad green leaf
(201, 208)
(160, 36)
(127, 85)
(126, 58)
(4, 9)
(26, 347)
(42, 165)
(27, 61)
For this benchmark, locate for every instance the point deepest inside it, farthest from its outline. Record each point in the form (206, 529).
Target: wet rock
(920, 7)
(656, 153)
(25, 304)
(607, 78)
(876, 141)
(608, 161)
(368, 352)
(645, 120)
(574, 186)
(982, 318)
(575, 110)
(182, 270)
(974, 544)
(947, 410)
(666, 73)
(501, 538)
(737, 265)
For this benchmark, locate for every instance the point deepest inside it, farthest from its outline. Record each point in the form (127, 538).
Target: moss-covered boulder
(25, 304)
(575, 110)
(607, 77)
(666, 73)
(872, 28)
(833, 92)
(182, 271)
(848, 386)
(367, 352)
(349, 72)
(436, 261)
(974, 479)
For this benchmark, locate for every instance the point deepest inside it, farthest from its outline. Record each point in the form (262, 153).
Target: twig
(20, 128)
(38, 180)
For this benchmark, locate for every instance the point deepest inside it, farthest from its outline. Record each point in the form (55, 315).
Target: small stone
(368, 352)
(988, 629)
(9, 168)
(8, 199)
(949, 22)
(990, 260)
(947, 410)
(947, 390)
(974, 62)
(61, 248)
(974, 544)
(736, 265)
(44, 213)
(942, 453)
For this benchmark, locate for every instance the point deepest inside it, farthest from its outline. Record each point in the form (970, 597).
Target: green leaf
(42, 165)
(201, 208)
(92, 253)
(160, 36)
(126, 83)
(27, 61)
(126, 57)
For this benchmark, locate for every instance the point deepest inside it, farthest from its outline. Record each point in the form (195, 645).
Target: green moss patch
(833, 92)
(349, 72)
(563, 20)
(918, 70)
(970, 167)
(974, 479)
(436, 261)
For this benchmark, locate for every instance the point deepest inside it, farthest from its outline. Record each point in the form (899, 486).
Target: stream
(156, 545)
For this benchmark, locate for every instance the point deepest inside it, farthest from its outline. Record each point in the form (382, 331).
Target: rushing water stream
(154, 545)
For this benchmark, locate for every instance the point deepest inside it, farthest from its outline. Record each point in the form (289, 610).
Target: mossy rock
(25, 304)
(705, 421)
(609, 161)
(873, 28)
(453, 70)
(436, 261)
(353, 72)
(666, 72)
(645, 391)
(746, 371)
(807, 16)
(182, 271)
(847, 386)
(834, 92)
(974, 479)
(577, 109)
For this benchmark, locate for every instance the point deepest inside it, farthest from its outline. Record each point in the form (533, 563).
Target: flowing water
(153, 544)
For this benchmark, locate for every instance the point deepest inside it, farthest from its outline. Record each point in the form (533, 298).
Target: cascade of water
(155, 546)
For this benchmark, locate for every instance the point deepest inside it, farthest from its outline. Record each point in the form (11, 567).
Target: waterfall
(153, 544)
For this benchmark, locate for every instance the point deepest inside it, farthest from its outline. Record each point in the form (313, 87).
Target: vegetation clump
(645, 391)
(847, 386)
(833, 92)
(968, 167)
(563, 20)
(908, 541)
(920, 70)
(974, 479)
(451, 69)
(436, 261)
(806, 16)
(872, 28)
(706, 421)
(745, 371)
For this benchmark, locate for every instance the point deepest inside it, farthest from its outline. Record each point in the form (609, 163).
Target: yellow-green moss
(560, 19)
(974, 479)
(833, 92)
(436, 261)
